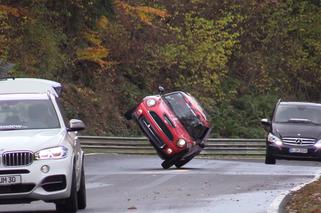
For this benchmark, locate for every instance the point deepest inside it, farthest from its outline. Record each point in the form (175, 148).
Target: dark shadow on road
(171, 169)
(36, 211)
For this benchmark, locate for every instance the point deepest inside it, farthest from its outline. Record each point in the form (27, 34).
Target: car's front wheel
(70, 204)
(82, 201)
(167, 164)
(182, 162)
(269, 158)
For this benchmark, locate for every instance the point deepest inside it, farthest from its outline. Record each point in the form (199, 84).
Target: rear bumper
(283, 152)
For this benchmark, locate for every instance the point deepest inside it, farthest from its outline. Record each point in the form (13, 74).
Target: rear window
(27, 114)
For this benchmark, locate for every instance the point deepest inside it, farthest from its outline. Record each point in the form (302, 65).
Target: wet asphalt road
(138, 184)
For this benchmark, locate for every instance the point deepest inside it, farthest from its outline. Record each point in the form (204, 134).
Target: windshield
(298, 114)
(186, 115)
(197, 106)
(27, 114)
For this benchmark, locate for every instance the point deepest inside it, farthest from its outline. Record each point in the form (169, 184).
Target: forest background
(236, 57)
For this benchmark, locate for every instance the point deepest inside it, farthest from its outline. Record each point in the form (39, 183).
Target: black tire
(171, 161)
(167, 164)
(129, 114)
(202, 145)
(81, 195)
(70, 204)
(181, 163)
(269, 158)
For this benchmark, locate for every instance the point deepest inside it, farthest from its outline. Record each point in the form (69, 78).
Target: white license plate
(298, 150)
(10, 179)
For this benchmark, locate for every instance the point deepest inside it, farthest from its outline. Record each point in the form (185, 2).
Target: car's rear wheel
(129, 114)
(70, 204)
(82, 199)
(269, 158)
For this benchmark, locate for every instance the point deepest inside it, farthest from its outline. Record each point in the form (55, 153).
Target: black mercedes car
(294, 132)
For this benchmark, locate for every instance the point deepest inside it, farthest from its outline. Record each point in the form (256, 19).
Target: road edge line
(278, 204)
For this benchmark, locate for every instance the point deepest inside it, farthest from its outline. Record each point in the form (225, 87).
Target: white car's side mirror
(76, 125)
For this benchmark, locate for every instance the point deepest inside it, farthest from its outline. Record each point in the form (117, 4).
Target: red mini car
(175, 124)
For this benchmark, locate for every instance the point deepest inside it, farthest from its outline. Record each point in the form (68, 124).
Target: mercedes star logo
(298, 141)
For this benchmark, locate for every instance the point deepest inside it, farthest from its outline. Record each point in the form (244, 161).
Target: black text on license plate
(10, 179)
(298, 150)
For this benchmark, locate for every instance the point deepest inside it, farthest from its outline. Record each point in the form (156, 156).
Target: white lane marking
(89, 154)
(240, 202)
(165, 172)
(281, 200)
(97, 185)
(151, 172)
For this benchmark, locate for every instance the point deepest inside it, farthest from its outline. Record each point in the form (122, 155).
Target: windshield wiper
(301, 120)
(8, 129)
(11, 127)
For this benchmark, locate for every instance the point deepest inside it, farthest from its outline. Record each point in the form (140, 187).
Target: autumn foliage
(236, 57)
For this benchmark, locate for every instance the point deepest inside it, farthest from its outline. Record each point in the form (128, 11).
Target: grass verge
(306, 200)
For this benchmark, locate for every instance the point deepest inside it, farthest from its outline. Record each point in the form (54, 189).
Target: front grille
(17, 158)
(299, 141)
(162, 125)
(17, 188)
(151, 133)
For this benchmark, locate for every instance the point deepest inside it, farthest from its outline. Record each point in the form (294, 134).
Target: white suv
(40, 155)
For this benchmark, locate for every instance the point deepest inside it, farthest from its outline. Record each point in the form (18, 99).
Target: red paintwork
(179, 131)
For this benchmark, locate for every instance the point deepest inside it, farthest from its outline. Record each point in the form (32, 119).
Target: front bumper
(193, 151)
(159, 144)
(283, 152)
(36, 185)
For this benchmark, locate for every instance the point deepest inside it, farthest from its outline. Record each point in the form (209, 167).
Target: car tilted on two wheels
(40, 154)
(175, 124)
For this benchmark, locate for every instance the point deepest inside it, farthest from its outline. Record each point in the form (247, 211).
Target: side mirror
(76, 125)
(266, 124)
(161, 90)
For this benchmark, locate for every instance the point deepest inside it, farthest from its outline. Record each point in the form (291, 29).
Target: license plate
(10, 179)
(298, 150)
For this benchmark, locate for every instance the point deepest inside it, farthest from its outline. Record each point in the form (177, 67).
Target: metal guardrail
(215, 147)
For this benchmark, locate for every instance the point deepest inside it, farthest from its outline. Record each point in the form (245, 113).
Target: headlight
(54, 153)
(273, 139)
(181, 143)
(318, 144)
(151, 102)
